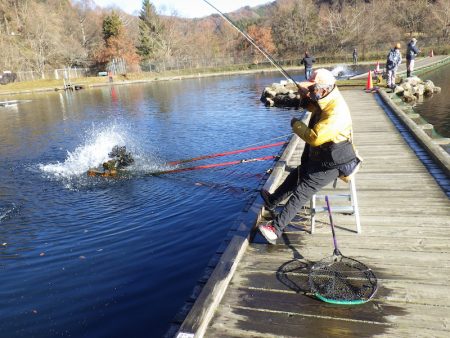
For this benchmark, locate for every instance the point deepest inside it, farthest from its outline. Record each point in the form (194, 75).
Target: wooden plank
(414, 208)
(296, 269)
(430, 244)
(397, 227)
(303, 306)
(284, 252)
(247, 322)
(427, 292)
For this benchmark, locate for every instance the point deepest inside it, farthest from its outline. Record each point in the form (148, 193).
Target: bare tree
(440, 19)
(342, 27)
(41, 36)
(411, 16)
(294, 26)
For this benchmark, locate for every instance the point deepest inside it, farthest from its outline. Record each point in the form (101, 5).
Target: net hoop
(342, 280)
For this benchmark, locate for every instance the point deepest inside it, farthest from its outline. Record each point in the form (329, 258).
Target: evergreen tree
(151, 41)
(112, 26)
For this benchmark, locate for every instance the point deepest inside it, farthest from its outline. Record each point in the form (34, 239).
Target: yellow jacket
(335, 122)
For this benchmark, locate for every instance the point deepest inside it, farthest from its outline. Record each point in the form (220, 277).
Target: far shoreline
(42, 86)
(31, 87)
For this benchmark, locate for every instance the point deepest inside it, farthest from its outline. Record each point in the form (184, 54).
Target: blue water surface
(96, 257)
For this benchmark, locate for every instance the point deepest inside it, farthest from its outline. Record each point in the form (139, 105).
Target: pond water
(96, 257)
(83, 256)
(436, 109)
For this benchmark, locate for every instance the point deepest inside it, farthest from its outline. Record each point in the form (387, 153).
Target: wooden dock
(260, 290)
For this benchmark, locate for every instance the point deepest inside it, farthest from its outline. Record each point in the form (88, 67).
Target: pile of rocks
(412, 88)
(283, 94)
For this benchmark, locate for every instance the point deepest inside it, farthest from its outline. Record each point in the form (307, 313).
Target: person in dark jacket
(308, 62)
(411, 53)
(328, 152)
(355, 56)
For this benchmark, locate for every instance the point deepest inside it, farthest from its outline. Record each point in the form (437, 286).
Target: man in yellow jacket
(328, 151)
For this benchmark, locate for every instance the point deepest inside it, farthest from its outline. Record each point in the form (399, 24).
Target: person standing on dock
(308, 61)
(355, 56)
(394, 59)
(328, 152)
(411, 53)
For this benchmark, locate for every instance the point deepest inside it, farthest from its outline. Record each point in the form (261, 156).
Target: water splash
(342, 71)
(94, 151)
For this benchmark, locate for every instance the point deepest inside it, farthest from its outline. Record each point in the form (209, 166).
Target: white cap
(322, 77)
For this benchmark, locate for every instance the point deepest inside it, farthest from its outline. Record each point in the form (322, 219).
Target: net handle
(336, 250)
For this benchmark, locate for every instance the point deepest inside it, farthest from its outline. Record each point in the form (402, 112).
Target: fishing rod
(261, 49)
(226, 153)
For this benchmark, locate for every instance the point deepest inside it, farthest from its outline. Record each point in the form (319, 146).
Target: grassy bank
(86, 82)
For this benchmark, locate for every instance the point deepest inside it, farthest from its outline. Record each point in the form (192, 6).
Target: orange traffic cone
(369, 85)
(431, 54)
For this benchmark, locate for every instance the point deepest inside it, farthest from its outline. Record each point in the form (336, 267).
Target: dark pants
(308, 73)
(409, 67)
(301, 184)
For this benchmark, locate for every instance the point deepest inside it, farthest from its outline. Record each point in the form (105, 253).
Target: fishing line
(271, 139)
(259, 48)
(209, 166)
(226, 187)
(226, 153)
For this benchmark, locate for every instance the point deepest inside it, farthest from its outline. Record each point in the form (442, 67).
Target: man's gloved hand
(303, 91)
(294, 119)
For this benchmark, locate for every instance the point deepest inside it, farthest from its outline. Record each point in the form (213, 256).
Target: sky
(183, 8)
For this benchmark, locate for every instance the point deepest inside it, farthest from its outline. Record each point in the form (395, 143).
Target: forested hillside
(41, 35)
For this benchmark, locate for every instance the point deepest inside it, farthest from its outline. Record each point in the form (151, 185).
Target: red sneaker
(269, 232)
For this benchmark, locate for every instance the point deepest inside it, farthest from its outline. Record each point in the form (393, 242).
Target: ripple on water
(83, 251)
(8, 211)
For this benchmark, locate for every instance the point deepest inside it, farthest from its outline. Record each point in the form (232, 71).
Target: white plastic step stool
(348, 209)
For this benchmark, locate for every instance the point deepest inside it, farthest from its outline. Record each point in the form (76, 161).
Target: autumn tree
(201, 40)
(116, 43)
(262, 36)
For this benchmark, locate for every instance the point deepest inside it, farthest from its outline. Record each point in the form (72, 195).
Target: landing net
(342, 280)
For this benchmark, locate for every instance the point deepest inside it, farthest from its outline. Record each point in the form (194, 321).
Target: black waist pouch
(332, 154)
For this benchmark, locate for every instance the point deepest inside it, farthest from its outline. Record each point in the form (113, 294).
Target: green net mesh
(340, 279)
